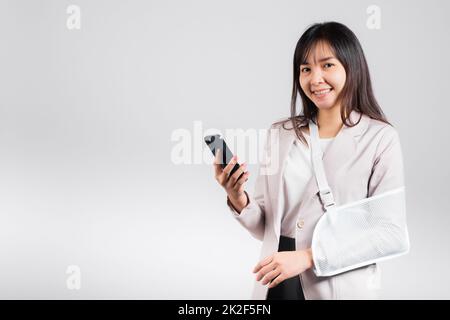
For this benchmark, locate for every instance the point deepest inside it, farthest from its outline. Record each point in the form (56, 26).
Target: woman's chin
(324, 106)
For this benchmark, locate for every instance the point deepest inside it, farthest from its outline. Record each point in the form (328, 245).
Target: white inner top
(297, 173)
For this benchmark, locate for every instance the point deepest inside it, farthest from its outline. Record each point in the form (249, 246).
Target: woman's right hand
(233, 186)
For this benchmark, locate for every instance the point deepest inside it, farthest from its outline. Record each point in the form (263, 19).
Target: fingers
(239, 185)
(222, 174)
(233, 184)
(265, 270)
(217, 163)
(269, 271)
(277, 281)
(230, 166)
(271, 276)
(236, 177)
(263, 263)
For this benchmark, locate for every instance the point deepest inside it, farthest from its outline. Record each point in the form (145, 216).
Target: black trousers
(289, 289)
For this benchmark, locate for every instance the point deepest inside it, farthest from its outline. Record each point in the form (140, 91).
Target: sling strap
(316, 156)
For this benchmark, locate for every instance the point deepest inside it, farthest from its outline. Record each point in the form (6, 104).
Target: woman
(362, 158)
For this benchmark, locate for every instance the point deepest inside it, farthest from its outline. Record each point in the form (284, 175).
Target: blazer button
(300, 223)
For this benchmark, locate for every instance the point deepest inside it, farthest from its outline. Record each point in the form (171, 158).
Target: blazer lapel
(285, 142)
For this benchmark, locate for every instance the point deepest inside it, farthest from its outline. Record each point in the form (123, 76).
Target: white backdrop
(87, 177)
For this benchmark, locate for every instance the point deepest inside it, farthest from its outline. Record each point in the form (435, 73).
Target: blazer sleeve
(252, 217)
(387, 175)
(387, 171)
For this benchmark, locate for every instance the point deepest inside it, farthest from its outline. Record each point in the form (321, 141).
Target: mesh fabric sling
(359, 233)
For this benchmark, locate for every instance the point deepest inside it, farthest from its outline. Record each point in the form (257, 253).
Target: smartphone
(215, 142)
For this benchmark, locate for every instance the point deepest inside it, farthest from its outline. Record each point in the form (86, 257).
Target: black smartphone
(216, 142)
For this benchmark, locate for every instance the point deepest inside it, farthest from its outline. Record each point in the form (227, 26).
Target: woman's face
(322, 77)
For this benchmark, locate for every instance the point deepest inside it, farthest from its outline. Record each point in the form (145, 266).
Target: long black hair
(357, 93)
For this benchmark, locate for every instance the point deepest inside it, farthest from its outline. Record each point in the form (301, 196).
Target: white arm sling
(358, 233)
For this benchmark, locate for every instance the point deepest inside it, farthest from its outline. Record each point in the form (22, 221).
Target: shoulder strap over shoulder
(316, 156)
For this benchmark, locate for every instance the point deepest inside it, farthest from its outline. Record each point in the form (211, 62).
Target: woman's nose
(317, 77)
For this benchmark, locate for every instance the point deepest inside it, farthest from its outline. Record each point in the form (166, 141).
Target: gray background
(86, 118)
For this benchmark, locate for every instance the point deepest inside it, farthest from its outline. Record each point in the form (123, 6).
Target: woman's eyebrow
(321, 60)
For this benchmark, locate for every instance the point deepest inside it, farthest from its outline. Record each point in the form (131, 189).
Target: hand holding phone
(230, 175)
(215, 142)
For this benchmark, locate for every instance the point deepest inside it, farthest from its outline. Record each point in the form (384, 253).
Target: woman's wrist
(309, 259)
(240, 202)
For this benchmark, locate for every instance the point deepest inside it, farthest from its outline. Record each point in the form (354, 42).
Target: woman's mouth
(322, 93)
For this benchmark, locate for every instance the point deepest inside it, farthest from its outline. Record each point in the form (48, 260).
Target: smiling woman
(351, 153)
(323, 77)
(330, 73)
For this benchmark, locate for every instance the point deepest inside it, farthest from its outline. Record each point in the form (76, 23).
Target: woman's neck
(329, 122)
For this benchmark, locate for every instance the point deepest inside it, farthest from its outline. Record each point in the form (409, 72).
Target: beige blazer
(360, 162)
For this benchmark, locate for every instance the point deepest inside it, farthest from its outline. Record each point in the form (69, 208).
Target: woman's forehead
(319, 50)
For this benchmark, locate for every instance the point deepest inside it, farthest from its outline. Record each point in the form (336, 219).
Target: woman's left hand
(283, 265)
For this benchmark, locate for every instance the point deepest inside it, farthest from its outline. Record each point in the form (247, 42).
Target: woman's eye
(327, 65)
(305, 70)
